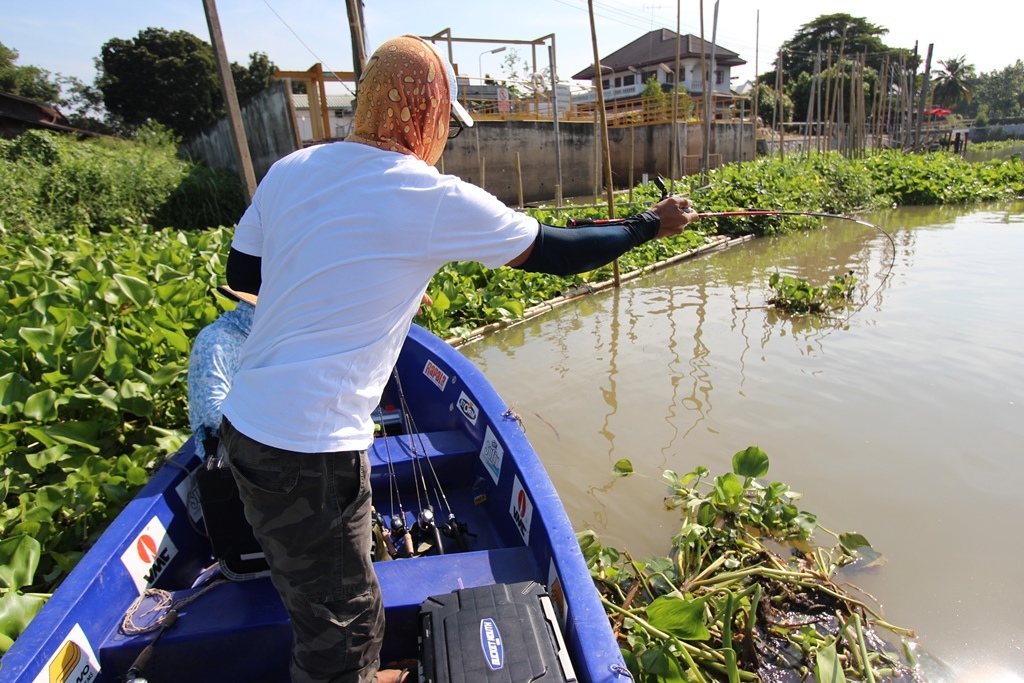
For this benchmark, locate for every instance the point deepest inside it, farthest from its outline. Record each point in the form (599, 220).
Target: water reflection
(902, 422)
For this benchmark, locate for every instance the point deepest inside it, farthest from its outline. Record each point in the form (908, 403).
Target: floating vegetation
(744, 594)
(795, 295)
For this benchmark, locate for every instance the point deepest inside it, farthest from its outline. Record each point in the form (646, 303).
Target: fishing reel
(458, 531)
(402, 536)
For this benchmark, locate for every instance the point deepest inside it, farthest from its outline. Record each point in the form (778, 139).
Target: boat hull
(463, 438)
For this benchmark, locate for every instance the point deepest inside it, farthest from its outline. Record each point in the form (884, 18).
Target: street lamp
(480, 59)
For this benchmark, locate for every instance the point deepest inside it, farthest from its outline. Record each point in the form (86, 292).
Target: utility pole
(227, 84)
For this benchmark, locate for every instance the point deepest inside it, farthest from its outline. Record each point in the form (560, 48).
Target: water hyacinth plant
(743, 594)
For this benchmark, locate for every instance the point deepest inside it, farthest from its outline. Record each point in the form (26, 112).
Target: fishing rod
(399, 529)
(751, 213)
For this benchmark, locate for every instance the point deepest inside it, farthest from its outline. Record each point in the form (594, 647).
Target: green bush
(55, 182)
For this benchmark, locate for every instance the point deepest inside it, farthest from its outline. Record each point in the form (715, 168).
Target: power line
(299, 38)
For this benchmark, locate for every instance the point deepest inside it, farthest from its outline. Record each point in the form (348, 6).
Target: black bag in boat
(504, 633)
(234, 546)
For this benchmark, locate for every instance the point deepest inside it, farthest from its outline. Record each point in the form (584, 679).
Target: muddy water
(904, 422)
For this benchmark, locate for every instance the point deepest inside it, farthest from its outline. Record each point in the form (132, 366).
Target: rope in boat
(162, 602)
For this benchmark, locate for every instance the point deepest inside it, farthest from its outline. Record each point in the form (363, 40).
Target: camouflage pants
(311, 514)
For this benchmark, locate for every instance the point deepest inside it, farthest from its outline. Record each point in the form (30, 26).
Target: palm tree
(954, 82)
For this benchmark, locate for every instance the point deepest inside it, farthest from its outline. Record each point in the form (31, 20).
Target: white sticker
(149, 554)
(74, 661)
(188, 491)
(521, 509)
(491, 455)
(468, 408)
(436, 375)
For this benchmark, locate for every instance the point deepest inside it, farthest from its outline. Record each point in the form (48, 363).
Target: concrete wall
(269, 130)
(649, 148)
(485, 155)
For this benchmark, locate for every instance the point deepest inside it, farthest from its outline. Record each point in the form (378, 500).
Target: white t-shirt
(350, 236)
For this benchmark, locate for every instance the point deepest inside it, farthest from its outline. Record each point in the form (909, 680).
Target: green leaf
(40, 460)
(683, 618)
(827, 667)
(753, 462)
(16, 611)
(852, 541)
(138, 291)
(80, 434)
(623, 468)
(38, 338)
(42, 406)
(14, 389)
(19, 559)
(85, 363)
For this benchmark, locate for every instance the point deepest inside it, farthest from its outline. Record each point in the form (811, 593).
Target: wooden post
(519, 181)
(355, 26)
(617, 277)
(632, 131)
(753, 106)
(227, 84)
(707, 102)
(919, 143)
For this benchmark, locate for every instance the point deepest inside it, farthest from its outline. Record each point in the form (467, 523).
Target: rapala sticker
(491, 454)
(521, 509)
(436, 375)
(74, 661)
(490, 643)
(468, 408)
(189, 494)
(149, 554)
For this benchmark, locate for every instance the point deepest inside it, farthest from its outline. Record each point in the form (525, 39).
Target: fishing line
(819, 214)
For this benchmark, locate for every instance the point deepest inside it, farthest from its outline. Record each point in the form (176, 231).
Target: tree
(26, 81)
(829, 30)
(953, 83)
(1000, 94)
(170, 77)
(767, 103)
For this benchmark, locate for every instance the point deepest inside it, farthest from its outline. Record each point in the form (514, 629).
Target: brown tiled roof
(659, 47)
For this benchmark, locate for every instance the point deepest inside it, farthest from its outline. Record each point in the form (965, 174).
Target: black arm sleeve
(566, 251)
(244, 272)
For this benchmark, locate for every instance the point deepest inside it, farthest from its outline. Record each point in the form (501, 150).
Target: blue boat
(448, 445)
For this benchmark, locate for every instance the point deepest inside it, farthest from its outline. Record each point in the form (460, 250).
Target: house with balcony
(625, 72)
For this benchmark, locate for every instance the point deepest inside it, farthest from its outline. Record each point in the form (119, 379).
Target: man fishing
(340, 242)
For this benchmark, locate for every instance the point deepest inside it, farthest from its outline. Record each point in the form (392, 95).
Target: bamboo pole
(519, 181)
(604, 135)
(757, 47)
(707, 101)
(925, 83)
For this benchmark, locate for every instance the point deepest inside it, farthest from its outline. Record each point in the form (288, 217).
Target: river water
(904, 421)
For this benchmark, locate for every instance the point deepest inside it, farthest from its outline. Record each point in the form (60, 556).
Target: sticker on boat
(521, 510)
(74, 661)
(189, 494)
(468, 408)
(149, 554)
(490, 642)
(491, 455)
(436, 375)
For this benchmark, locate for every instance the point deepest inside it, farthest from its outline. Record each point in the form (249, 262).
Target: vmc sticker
(521, 509)
(74, 661)
(149, 554)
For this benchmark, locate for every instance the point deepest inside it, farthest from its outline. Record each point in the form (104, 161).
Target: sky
(65, 36)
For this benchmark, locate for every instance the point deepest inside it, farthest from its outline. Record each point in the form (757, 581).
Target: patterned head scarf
(404, 100)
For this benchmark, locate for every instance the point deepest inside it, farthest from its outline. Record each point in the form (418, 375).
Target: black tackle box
(504, 633)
